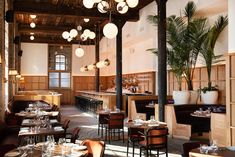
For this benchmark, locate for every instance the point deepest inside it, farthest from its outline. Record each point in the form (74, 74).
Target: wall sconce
(12, 72)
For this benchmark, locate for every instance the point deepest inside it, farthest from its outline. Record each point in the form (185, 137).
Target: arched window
(59, 66)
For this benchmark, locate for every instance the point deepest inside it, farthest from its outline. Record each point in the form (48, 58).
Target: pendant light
(110, 30)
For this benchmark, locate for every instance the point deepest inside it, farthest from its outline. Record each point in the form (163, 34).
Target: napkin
(53, 121)
(58, 128)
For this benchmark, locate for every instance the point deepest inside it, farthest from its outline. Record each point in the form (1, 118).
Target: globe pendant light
(88, 3)
(79, 52)
(132, 3)
(65, 35)
(96, 1)
(122, 7)
(103, 6)
(73, 33)
(119, 1)
(110, 30)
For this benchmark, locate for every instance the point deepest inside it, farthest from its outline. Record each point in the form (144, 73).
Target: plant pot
(181, 97)
(210, 97)
(193, 97)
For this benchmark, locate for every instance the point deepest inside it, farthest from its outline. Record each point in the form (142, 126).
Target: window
(59, 66)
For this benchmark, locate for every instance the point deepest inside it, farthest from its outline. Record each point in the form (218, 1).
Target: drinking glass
(152, 118)
(31, 143)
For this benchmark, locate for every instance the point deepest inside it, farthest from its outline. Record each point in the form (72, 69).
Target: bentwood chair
(73, 135)
(115, 125)
(155, 139)
(134, 137)
(95, 148)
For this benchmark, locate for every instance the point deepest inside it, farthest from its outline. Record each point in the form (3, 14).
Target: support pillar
(97, 59)
(162, 66)
(119, 24)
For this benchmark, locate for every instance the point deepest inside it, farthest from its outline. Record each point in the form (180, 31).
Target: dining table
(67, 149)
(35, 122)
(141, 124)
(220, 152)
(33, 114)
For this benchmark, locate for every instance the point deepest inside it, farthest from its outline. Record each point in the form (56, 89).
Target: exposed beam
(53, 40)
(27, 7)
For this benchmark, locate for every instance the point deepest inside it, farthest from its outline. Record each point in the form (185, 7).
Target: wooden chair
(134, 136)
(115, 125)
(155, 139)
(73, 135)
(65, 124)
(95, 148)
(102, 121)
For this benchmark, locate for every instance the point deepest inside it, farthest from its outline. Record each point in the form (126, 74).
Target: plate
(153, 125)
(77, 147)
(75, 154)
(10, 154)
(232, 148)
(137, 124)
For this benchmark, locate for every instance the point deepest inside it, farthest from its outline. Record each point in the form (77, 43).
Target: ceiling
(56, 16)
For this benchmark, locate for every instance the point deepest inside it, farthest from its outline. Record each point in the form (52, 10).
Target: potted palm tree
(184, 39)
(209, 94)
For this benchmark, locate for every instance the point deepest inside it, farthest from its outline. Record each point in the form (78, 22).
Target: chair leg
(123, 136)
(106, 134)
(140, 152)
(127, 151)
(157, 153)
(133, 149)
(147, 152)
(98, 129)
(109, 135)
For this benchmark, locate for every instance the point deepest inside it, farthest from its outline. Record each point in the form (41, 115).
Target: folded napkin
(58, 128)
(53, 121)
(26, 121)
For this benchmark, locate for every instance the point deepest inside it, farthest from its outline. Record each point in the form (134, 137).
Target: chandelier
(104, 6)
(110, 30)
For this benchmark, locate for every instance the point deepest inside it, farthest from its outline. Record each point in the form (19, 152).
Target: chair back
(116, 121)
(65, 125)
(103, 118)
(95, 148)
(75, 133)
(157, 136)
(188, 146)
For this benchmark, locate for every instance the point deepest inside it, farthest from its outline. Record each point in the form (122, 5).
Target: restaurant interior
(105, 78)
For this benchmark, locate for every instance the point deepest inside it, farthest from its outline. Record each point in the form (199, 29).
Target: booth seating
(181, 124)
(88, 104)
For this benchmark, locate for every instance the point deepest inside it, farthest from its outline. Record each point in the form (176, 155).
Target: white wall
(34, 60)
(88, 58)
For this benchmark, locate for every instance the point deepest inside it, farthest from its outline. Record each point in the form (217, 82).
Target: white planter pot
(193, 96)
(181, 97)
(210, 97)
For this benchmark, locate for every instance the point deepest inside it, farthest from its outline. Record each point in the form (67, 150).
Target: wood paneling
(200, 80)
(34, 83)
(230, 98)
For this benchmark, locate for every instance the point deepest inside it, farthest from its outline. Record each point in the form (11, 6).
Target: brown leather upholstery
(65, 124)
(188, 146)
(95, 148)
(115, 125)
(155, 139)
(6, 148)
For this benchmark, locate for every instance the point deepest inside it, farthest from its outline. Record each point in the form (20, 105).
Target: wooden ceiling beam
(54, 40)
(29, 7)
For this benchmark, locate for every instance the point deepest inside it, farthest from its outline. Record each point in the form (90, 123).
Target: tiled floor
(88, 124)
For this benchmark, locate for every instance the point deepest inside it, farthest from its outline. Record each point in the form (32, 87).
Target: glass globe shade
(119, 1)
(83, 37)
(122, 7)
(79, 27)
(110, 30)
(33, 16)
(96, 1)
(91, 67)
(32, 25)
(31, 37)
(79, 52)
(92, 35)
(88, 3)
(86, 19)
(86, 32)
(69, 39)
(65, 35)
(73, 33)
(103, 6)
(132, 3)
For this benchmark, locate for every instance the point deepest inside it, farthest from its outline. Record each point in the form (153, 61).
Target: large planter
(193, 97)
(210, 97)
(181, 97)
